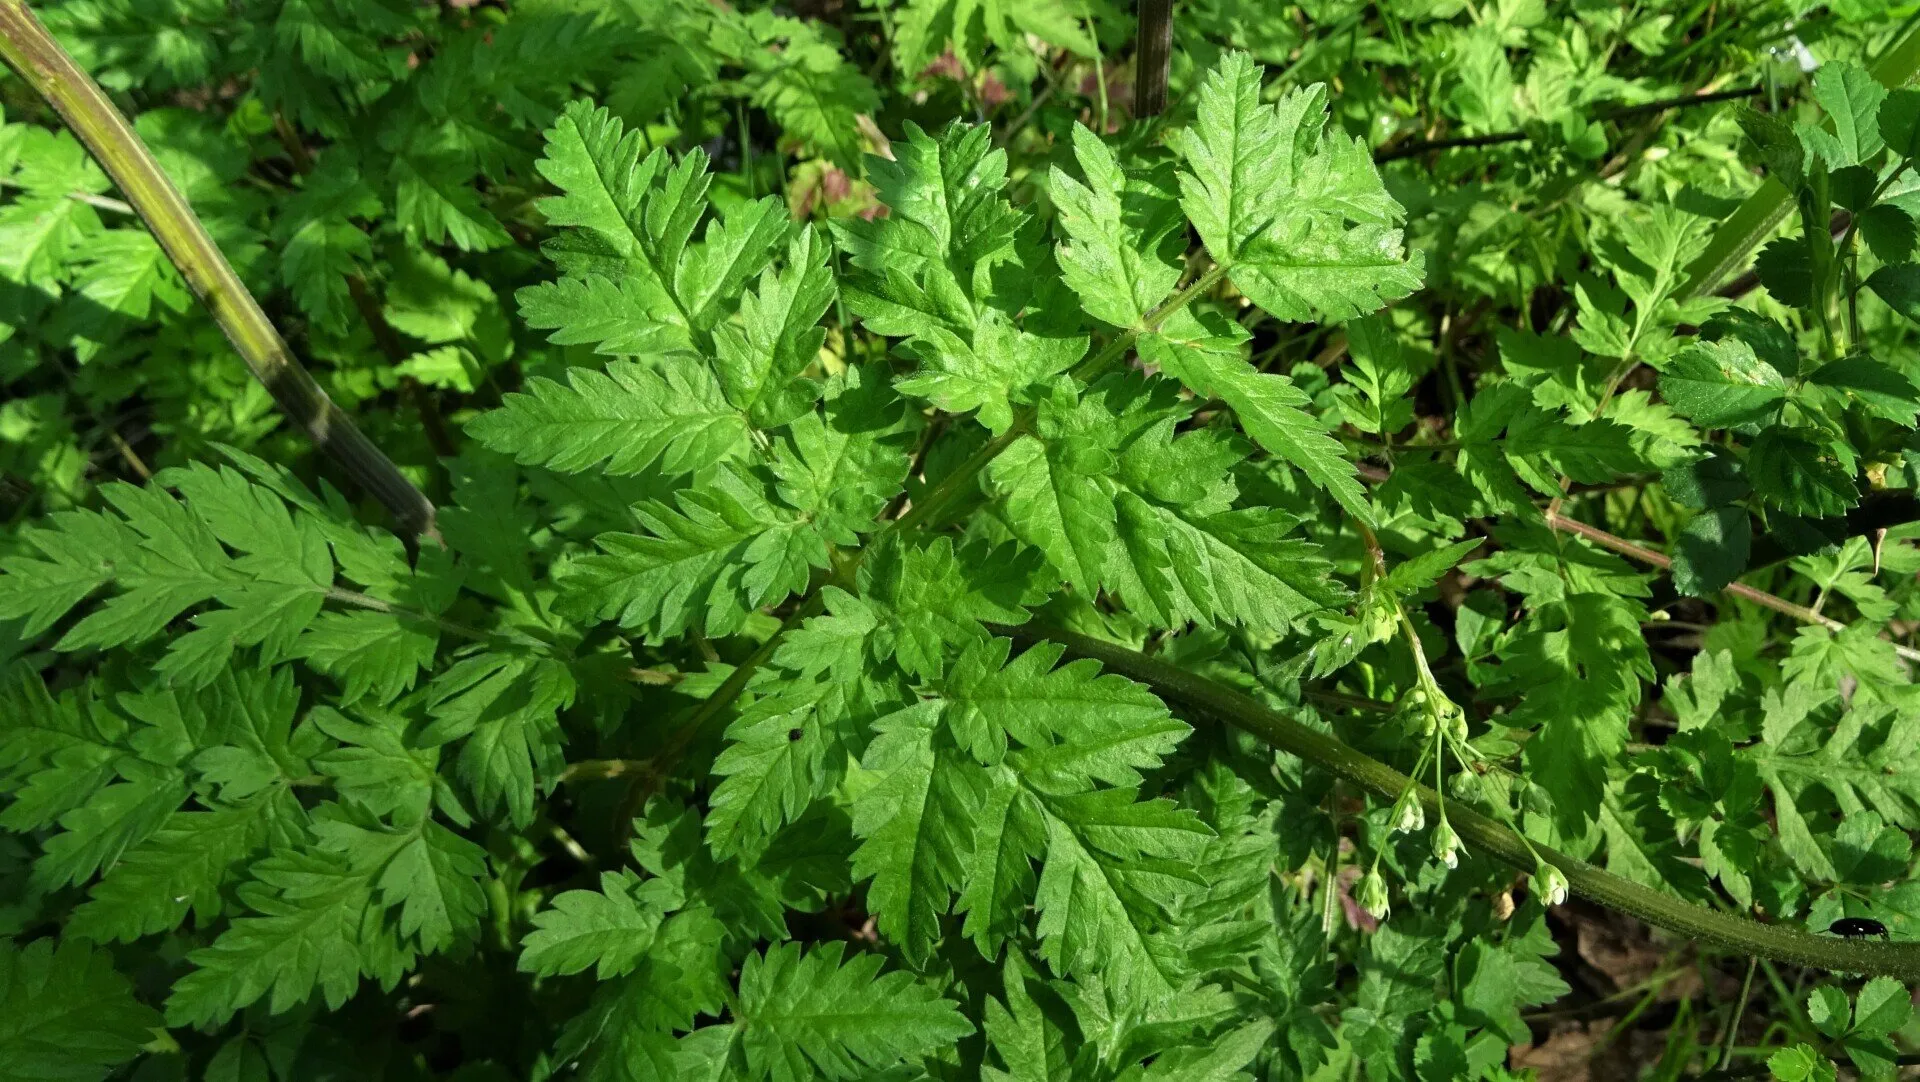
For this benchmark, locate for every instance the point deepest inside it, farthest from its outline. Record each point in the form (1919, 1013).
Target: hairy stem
(33, 53)
(1202, 697)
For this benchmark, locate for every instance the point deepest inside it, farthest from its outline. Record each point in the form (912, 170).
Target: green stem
(419, 398)
(733, 685)
(1851, 257)
(1751, 938)
(1086, 372)
(1625, 1024)
(515, 639)
(1409, 150)
(1739, 1008)
(1330, 880)
(746, 149)
(97, 202)
(1438, 705)
(1092, 369)
(1599, 1007)
(1898, 35)
(1802, 1028)
(26, 47)
(1100, 76)
(645, 780)
(1050, 71)
(962, 477)
(1816, 222)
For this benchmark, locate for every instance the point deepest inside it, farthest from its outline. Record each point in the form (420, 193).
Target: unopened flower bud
(1463, 784)
(1412, 817)
(1446, 845)
(1551, 884)
(1373, 896)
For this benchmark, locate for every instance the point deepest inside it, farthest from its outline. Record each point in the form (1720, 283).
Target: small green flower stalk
(1445, 725)
(1428, 710)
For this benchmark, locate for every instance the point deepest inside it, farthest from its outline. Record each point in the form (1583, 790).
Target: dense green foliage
(768, 366)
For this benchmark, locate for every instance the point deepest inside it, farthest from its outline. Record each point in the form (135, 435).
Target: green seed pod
(1373, 896)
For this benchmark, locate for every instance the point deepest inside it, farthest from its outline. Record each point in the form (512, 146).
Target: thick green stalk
(1752, 222)
(1202, 696)
(33, 53)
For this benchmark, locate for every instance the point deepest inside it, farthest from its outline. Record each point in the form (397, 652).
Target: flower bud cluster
(1412, 817)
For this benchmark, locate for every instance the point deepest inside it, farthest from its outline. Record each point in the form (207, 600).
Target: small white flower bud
(1446, 845)
(1551, 884)
(1412, 817)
